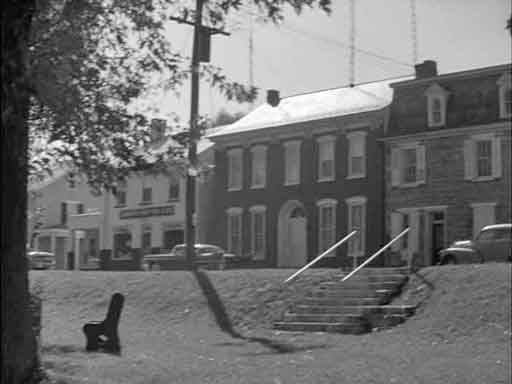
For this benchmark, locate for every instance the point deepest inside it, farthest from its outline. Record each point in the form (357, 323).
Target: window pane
(356, 165)
(174, 189)
(147, 194)
(484, 160)
(409, 164)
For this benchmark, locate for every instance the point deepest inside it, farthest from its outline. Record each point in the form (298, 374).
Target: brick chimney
(273, 97)
(158, 129)
(426, 69)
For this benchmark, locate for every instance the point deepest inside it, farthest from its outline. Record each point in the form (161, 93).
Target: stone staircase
(355, 306)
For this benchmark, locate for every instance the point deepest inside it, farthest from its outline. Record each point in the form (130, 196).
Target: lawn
(461, 332)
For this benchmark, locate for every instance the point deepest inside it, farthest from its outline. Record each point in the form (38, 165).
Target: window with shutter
(235, 169)
(235, 231)
(409, 162)
(482, 158)
(436, 105)
(292, 162)
(259, 166)
(356, 154)
(258, 238)
(326, 224)
(326, 158)
(174, 188)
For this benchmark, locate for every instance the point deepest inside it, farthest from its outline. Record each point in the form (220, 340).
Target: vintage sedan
(206, 256)
(41, 260)
(493, 243)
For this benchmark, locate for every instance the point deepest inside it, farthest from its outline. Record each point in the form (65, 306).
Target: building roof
(465, 74)
(314, 106)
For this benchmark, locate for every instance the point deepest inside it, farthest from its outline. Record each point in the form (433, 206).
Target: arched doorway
(292, 244)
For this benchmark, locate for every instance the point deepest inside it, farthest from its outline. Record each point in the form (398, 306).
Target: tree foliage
(90, 59)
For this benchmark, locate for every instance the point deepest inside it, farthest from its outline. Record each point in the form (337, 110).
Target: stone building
(448, 157)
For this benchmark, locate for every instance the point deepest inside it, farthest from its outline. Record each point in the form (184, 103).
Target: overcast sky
(310, 52)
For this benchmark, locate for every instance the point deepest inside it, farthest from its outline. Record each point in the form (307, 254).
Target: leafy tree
(223, 117)
(70, 70)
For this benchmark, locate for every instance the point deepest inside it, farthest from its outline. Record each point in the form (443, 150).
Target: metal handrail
(314, 261)
(376, 254)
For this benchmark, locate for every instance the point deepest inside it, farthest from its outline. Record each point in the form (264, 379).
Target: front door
(296, 250)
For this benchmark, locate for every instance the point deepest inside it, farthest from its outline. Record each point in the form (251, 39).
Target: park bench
(103, 334)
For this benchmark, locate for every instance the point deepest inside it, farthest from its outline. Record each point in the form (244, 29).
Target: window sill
(234, 189)
(356, 176)
(146, 203)
(411, 185)
(173, 200)
(324, 180)
(122, 259)
(437, 125)
(120, 206)
(483, 179)
(257, 187)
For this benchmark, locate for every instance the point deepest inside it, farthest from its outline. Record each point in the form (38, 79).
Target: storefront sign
(168, 210)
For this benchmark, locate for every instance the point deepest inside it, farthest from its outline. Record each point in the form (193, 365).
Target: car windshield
(495, 234)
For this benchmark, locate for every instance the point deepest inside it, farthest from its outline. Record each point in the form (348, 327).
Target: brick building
(448, 157)
(297, 174)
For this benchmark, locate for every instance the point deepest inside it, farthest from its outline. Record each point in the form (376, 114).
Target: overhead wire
(332, 41)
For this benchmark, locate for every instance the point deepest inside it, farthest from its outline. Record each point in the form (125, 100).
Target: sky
(309, 52)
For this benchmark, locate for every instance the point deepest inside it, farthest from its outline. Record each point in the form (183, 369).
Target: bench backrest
(114, 309)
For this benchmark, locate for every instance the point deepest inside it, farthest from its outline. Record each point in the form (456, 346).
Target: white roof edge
(255, 127)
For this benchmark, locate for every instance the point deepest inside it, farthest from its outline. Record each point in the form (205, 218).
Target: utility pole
(193, 137)
(200, 53)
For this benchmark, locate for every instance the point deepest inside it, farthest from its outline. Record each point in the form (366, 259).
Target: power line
(332, 41)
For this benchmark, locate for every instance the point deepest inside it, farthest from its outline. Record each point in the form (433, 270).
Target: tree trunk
(19, 348)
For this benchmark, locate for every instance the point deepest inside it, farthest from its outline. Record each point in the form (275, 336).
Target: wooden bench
(104, 334)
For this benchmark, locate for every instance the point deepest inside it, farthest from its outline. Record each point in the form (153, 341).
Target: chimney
(158, 129)
(426, 69)
(273, 97)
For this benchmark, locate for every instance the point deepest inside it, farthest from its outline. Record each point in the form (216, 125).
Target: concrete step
(348, 328)
(351, 293)
(374, 278)
(355, 310)
(382, 271)
(347, 318)
(361, 284)
(342, 301)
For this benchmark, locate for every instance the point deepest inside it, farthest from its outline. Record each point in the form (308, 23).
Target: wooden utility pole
(200, 53)
(193, 137)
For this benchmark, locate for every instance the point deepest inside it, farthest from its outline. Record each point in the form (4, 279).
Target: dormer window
(436, 105)
(505, 95)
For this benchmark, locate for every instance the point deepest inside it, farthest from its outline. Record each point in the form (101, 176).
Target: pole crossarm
(315, 260)
(204, 28)
(376, 254)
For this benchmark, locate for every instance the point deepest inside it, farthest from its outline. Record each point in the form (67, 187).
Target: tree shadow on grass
(222, 319)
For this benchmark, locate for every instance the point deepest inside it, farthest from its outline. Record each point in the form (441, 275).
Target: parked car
(493, 243)
(41, 260)
(206, 255)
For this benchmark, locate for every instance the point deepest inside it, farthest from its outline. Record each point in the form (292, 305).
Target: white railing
(376, 254)
(319, 257)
